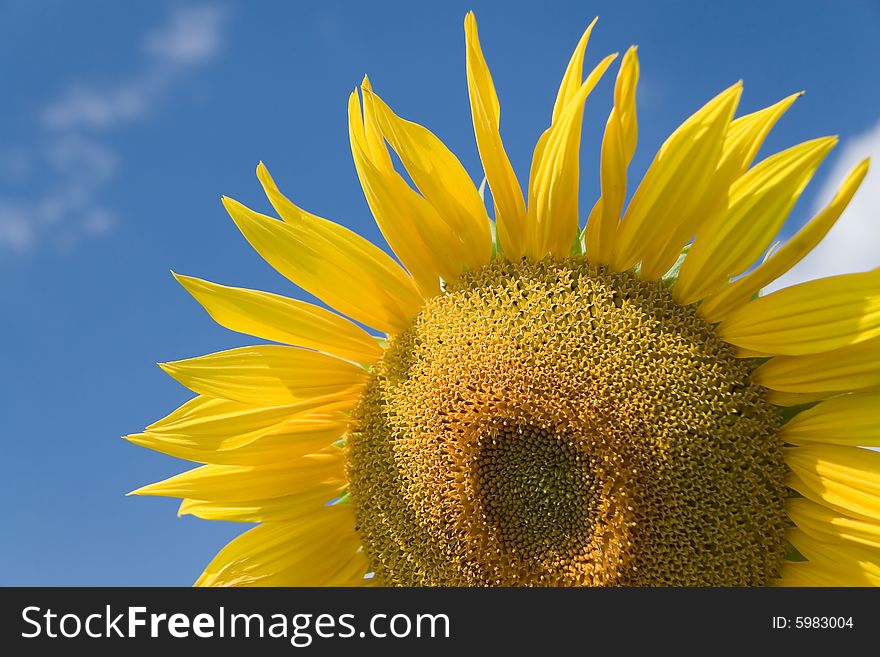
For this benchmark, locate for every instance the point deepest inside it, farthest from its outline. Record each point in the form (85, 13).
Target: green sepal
(577, 246)
(496, 247)
(791, 553)
(671, 276)
(787, 413)
(345, 498)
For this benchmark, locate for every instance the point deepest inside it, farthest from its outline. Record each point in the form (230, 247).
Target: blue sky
(123, 123)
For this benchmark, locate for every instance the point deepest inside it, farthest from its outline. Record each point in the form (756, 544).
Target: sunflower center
(552, 423)
(532, 487)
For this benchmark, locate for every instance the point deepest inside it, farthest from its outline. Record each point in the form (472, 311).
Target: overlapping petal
(269, 375)
(618, 147)
(843, 478)
(338, 266)
(507, 196)
(280, 319)
(826, 524)
(322, 550)
(759, 203)
(286, 441)
(852, 420)
(235, 483)
(270, 509)
(555, 173)
(441, 179)
(737, 293)
(669, 202)
(809, 318)
(426, 244)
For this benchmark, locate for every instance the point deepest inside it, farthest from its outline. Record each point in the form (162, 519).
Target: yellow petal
(852, 420)
(815, 316)
(741, 143)
(339, 267)
(554, 176)
(273, 509)
(738, 293)
(844, 478)
(269, 375)
(441, 179)
(277, 318)
(794, 398)
(233, 483)
(853, 560)
(759, 203)
(825, 524)
(849, 368)
(207, 416)
(808, 574)
(669, 197)
(320, 551)
(507, 197)
(287, 441)
(618, 147)
(747, 133)
(571, 79)
(425, 244)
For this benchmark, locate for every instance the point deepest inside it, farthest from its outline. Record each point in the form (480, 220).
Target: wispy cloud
(190, 39)
(72, 152)
(853, 244)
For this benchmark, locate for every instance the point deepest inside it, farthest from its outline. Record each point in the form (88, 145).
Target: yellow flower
(546, 406)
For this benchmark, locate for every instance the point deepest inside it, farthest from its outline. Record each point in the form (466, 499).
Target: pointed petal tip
(233, 207)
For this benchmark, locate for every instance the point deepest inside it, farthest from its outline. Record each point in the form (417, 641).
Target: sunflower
(545, 405)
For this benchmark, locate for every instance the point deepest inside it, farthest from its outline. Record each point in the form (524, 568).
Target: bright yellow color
(852, 419)
(667, 206)
(425, 244)
(268, 420)
(792, 252)
(618, 147)
(510, 207)
(277, 318)
(267, 375)
(816, 316)
(758, 203)
(554, 177)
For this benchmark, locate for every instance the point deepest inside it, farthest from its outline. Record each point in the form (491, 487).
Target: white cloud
(74, 161)
(82, 106)
(82, 158)
(16, 231)
(191, 37)
(853, 244)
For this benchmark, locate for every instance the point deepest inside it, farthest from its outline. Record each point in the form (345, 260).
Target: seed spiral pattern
(554, 423)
